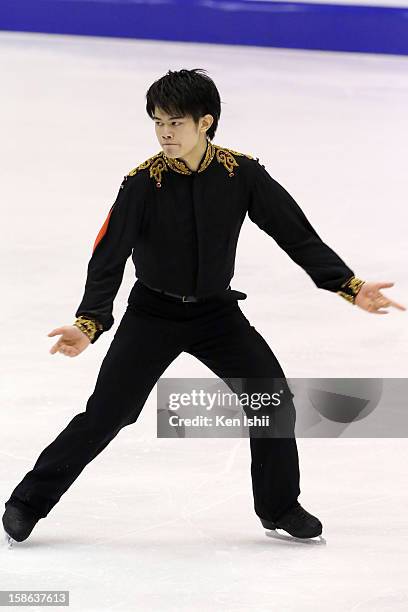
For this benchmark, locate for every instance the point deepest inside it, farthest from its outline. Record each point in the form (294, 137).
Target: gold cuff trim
(88, 326)
(350, 289)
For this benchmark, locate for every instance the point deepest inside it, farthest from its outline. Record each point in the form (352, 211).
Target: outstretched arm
(275, 211)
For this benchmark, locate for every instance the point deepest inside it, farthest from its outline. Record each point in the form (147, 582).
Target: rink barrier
(293, 25)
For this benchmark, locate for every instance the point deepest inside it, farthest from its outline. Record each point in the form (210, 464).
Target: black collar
(178, 165)
(160, 163)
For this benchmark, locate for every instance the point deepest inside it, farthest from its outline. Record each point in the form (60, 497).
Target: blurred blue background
(343, 26)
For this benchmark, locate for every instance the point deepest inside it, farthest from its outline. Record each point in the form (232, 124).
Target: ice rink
(168, 525)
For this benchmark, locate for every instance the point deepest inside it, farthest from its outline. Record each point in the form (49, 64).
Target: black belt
(183, 298)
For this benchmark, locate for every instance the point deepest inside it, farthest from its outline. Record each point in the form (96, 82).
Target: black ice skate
(297, 522)
(18, 524)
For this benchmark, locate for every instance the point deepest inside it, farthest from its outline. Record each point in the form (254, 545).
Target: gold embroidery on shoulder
(156, 166)
(156, 169)
(144, 165)
(226, 157)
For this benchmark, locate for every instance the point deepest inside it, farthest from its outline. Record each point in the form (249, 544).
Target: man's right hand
(72, 342)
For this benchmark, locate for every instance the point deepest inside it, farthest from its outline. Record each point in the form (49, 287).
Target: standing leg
(141, 350)
(231, 347)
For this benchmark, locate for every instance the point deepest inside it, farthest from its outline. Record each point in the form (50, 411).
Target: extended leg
(141, 350)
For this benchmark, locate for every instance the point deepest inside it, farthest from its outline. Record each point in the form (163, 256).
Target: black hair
(186, 92)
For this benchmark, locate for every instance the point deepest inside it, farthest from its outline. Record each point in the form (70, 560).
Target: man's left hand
(371, 299)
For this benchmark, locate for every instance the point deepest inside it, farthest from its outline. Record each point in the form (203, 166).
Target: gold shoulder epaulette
(226, 157)
(145, 164)
(156, 166)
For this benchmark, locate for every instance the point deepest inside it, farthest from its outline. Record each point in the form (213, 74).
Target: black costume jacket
(182, 226)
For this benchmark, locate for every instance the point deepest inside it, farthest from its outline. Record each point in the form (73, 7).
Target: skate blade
(9, 541)
(273, 533)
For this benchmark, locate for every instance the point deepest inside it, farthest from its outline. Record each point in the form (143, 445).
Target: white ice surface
(165, 525)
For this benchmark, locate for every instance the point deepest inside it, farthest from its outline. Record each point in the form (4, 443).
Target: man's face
(178, 135)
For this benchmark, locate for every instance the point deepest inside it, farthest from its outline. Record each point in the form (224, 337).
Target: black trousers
(154, 330)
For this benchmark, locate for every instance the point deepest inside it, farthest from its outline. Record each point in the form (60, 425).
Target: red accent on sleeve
(102, 231)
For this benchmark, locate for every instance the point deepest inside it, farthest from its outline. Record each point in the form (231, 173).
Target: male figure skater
(179, 215)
